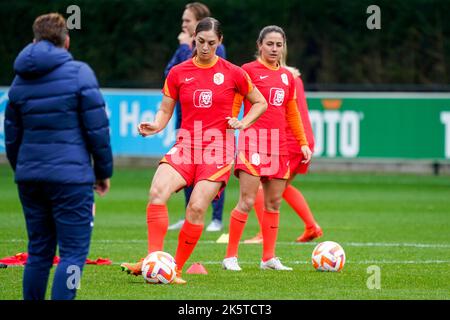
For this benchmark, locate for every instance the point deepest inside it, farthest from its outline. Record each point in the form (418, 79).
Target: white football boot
(274, 264)
(231, 264)
(177, 225)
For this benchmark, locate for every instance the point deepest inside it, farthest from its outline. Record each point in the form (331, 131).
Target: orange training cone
(197, 268)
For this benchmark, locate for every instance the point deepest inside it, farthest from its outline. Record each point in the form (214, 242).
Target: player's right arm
(161, 119)
(170, 93)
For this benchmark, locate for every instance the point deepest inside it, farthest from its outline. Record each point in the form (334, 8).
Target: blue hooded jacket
(55, 121)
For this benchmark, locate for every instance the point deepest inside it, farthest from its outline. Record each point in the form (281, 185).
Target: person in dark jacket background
(55, 127)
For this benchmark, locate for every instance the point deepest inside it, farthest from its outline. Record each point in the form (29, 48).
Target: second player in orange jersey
(206, 86)
(292, 195)
(262, 153)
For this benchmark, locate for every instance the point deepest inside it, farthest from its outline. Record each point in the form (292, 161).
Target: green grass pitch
(400, 223)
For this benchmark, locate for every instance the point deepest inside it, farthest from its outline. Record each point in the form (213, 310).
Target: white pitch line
(284, 243)
(387, 244)
(364, 262)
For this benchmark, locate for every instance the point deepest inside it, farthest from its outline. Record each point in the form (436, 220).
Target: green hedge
(128, 43)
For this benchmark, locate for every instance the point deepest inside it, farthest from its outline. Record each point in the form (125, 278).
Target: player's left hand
(307, 154)
(234, 123)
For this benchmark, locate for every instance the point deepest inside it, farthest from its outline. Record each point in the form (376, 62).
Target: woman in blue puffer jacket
(57, 142)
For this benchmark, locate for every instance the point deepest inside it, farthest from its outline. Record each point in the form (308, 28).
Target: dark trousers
(56, 215)
(217, 204)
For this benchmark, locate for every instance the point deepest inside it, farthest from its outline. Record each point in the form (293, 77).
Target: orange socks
(237, 224)
(157, 224)
(296, 200)
(259, 206)
(187, 240)
(270, 231)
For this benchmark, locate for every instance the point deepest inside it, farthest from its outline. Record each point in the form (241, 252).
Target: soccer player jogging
(292, 195)
(206, 86)
(193, 13)
(262, 155)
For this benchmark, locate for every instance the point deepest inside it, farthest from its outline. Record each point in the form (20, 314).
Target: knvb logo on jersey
(203, 98)
(285, 79)
(218, 78)
(276, 97)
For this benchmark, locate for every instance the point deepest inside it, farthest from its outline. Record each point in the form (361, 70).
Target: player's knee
(195, 212)
(246, 203)
(273, 204)
(157, 195)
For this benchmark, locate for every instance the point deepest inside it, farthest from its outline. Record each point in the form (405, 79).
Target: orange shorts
(260, 165)
(190, 165)
(295, 164)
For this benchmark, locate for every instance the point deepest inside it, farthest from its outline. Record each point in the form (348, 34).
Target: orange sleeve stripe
(166, 89)
(249, 82)
(295, 122)
(250, 86)
(237, 103)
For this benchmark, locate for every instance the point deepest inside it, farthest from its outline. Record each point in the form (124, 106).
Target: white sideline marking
(285, 243)
(347, 262)
(363, 262)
